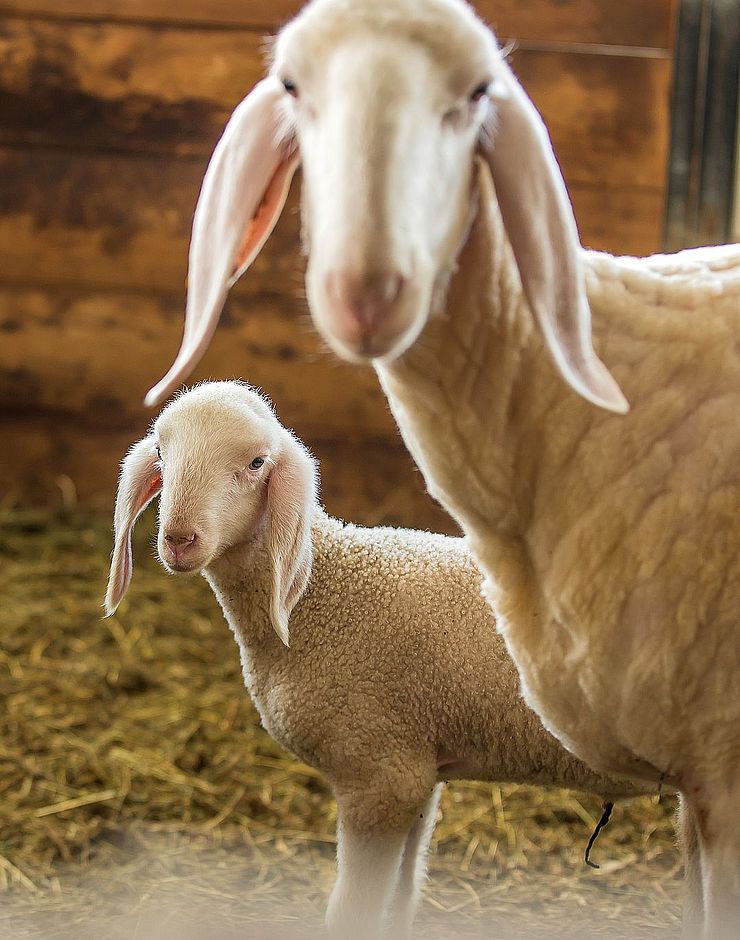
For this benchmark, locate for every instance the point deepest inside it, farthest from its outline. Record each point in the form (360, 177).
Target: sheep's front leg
(368, 863)
(693, 907)
(413, 868)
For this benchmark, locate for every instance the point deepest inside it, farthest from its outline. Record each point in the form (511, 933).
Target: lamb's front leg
(413, 869)
(373, 825)
(368, 864)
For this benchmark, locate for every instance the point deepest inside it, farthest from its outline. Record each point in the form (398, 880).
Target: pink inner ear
(261, 223)
(155, 485)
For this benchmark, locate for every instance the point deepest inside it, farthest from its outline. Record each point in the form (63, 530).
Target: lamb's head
(391, 108)
(226, 472)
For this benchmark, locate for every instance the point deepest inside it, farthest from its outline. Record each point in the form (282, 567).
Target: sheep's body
(611, 545)
(395, 679)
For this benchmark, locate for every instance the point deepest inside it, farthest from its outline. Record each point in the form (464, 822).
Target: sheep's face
(215, 454)
(386, 105)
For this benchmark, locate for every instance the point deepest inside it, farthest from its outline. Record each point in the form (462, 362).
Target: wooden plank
(608, 117)
(629, 22)
(257, 14)
(625, 23)
(93, 356)
(122, 87)
(625, 223)
(51, 462)
(96, 353)
(120, 222)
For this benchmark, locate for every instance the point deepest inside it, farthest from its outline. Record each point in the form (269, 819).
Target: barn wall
(108, 112)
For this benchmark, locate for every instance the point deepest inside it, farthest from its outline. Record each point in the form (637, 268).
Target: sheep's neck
(471, 398)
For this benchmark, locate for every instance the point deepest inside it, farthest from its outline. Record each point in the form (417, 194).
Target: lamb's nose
(367, 300)
(178, 539)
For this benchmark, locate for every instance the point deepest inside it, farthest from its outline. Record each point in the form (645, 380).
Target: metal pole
(704, 128)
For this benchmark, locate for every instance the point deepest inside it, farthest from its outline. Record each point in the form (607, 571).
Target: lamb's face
(215, 458)
(386, 101)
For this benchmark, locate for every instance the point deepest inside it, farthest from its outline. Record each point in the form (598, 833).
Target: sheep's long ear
(292, 491)
(243, 193)
(539, 221)
(139, 483)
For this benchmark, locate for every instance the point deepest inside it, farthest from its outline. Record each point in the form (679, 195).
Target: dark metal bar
(704, 109)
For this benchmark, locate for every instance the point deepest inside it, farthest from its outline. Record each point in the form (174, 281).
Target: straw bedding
(135, 780)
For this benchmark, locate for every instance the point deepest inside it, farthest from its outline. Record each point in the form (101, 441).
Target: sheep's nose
(180, 539)
(364, 302)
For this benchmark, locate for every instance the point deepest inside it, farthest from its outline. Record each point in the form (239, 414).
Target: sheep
(369, 652)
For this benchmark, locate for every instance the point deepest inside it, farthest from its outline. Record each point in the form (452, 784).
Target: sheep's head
(386, 112)
(226, 472)
(387, 106)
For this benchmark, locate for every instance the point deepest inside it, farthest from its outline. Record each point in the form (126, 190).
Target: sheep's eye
(257, 463)
(159, 453)
(290, 87)
(479, 91)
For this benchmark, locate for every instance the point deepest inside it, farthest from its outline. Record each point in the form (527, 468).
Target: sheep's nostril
(180, 539)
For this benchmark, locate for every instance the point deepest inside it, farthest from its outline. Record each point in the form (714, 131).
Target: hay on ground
(137, 730)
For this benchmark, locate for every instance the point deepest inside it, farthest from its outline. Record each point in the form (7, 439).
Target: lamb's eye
(159, 453)
(479, 91)
(290, 87)
(257, 463)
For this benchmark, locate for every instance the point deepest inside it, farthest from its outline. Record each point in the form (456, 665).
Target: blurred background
(129, 746)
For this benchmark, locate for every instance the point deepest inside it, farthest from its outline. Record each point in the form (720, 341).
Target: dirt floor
(139, 799)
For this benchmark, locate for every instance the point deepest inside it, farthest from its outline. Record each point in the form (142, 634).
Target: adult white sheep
(394, 679)
(611, 543)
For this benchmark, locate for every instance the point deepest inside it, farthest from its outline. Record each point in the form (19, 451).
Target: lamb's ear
(243, 193)
(539, 221)
(292, 492)
(139, 483)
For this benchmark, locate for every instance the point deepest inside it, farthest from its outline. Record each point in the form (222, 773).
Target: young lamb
(395, 678)
(443, 247)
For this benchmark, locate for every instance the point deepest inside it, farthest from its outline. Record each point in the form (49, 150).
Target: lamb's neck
(472, 397)
(241, 580)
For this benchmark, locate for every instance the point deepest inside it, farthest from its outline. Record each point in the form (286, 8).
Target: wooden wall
(108, 112)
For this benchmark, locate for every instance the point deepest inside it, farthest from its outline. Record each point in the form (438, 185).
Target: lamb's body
(394, 670)
(611, 544)
(395, 678)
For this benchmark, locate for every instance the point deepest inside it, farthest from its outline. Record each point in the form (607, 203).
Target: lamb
(394, 679)
(442, 246)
